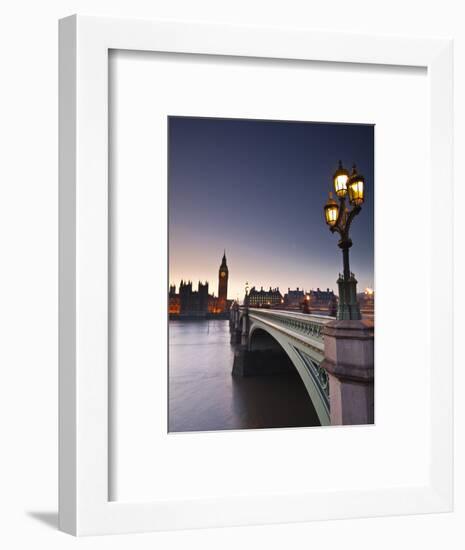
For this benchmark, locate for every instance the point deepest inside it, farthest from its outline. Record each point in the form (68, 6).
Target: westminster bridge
(334, 359)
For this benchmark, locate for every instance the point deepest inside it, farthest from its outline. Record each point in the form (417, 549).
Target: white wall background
(28, 269)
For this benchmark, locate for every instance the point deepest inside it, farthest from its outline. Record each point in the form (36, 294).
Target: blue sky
(257, 189)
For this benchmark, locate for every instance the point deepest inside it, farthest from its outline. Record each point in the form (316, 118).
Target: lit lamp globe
(341, 178)
(331, 211)
(356, 188)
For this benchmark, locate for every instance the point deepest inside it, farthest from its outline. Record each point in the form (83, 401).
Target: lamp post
(246, 299)
(339, 218)
(245, 319)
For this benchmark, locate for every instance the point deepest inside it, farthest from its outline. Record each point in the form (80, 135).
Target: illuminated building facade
(265, 298)
(322, 301)
(174, 303)
(294, 299)
(366, 300)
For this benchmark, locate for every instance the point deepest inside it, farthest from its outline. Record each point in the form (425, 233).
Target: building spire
(223, 261)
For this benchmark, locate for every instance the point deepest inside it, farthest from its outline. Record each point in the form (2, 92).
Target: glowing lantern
(341, 178)
(356, 188)
(331, 211)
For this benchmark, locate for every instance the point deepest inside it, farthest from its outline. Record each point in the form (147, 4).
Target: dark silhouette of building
(193, 302)
(199, 303)
(223, 276)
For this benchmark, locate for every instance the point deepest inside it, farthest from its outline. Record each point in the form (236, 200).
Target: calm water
(204, 396)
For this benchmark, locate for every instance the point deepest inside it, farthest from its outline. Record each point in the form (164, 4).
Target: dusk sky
(257, 189)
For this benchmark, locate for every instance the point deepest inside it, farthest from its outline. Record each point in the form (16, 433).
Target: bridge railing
(302, 323)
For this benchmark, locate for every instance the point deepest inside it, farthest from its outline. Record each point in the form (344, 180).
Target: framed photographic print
(242, 209)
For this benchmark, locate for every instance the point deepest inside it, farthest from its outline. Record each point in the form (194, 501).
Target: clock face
(222, 274)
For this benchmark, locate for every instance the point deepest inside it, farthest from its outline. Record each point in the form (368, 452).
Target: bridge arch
(261, 339)
(261, 335)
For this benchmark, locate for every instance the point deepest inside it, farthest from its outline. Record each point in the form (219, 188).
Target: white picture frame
(84, 505)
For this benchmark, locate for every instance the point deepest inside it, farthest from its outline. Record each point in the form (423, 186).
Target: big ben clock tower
(223, 283)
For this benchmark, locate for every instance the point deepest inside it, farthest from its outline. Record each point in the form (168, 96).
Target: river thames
(203, 395)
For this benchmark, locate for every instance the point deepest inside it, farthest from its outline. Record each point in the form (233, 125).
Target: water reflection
(204, 396)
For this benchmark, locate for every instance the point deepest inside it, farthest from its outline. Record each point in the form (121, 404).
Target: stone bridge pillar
(245, 330)
(235, 327)
(349, 362)
(240, 336)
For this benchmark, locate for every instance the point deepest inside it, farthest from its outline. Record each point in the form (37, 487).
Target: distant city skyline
(257, 189)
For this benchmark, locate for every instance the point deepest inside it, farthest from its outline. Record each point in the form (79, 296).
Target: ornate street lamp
(246, 299)
(339, 217)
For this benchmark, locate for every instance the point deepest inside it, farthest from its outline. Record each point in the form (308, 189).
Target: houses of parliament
(199, 303)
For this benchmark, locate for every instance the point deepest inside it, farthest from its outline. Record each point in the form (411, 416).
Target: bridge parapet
(308, 329)
(301, 323)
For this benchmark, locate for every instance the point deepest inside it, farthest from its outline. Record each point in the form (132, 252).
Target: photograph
(271, 274)
(211, 221)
